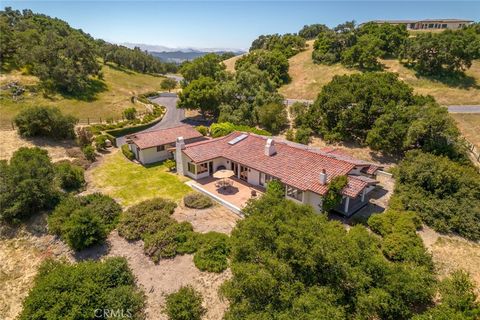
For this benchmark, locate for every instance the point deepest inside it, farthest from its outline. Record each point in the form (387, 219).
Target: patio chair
(253, 192)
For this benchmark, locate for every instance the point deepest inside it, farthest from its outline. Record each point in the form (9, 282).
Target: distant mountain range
(179, 55)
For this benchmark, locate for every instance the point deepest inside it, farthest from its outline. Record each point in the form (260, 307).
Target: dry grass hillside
(108, 99)
(230, 63)
(309, 78)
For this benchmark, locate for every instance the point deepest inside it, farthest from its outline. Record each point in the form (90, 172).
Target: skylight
(237, 139)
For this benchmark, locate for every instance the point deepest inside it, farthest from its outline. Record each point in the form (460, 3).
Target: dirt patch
(451, 253)
(22, 251)
(216, 218)
(10, 141)
(158, 280)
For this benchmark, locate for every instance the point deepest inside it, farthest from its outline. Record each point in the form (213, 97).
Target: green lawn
(130, 183)
(112, 95)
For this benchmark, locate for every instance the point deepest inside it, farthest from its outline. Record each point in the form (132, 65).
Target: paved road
(464, 109)
(172, 118)
(451, 109)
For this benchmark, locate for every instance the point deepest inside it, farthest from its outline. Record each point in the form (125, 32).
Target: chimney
(323, 177)
(179, 146)
(270, 147)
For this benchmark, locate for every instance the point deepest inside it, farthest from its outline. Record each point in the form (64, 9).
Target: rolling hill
(112, 96)
(308, 79)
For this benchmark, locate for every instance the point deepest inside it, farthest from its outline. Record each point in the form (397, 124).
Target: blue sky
(228, 24)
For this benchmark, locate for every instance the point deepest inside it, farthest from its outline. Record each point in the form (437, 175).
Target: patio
(237, 194)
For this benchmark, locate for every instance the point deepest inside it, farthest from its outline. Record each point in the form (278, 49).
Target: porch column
(347, 202)
(363, 194)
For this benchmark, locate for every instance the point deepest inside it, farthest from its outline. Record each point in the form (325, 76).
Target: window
(192, 168)
(444, 26)
(265, 178)
(294, 193)
(202, 167)
(160, 148)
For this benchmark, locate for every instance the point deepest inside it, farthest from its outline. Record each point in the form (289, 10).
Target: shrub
(303, 135)
(202, 129)
(334, 196)
(197, 201)
(84, 136)
(185, 304)
(146, 218)
(84, 221)
(212, 252)
(89, 153)
(46, 122)
(393, 220)
(398, 246)
(170, 164)
(130, 113)
(127, 152)
(101, 142)
(26, 184)
(69, 176)
(83, 229)
(176, 238)
(290, 135)
(273, 117)
(74, 291)
(223, 128)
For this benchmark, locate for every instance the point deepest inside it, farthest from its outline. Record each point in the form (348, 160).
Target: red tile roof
(295, 166)
(163, 136)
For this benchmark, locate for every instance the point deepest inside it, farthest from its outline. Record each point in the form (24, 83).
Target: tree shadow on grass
(119, 68)
(89, 94)
(455, 79)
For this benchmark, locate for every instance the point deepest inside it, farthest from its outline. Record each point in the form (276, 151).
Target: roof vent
(237, 139)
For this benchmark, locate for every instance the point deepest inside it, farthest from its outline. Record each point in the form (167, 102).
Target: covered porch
(233, 196)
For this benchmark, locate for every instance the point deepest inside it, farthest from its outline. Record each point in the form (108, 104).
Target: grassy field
(469, 125)
(112, 97)
(130, 183)
(309, 78)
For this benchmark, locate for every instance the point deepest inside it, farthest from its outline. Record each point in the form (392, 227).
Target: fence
(6, 125)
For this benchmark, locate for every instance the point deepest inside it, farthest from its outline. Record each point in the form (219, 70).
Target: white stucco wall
(253, 177)
(313, 199)
(151, 155)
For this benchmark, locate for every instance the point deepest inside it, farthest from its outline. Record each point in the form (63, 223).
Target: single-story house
(428, 24)
(255, 159)
(152, 146)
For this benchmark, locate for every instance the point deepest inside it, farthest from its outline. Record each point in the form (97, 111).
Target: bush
(84, 221)
(393, 220)
(290, 135)
(127, 152)
(176, 238)
(89, 152)
(84, 136)
(130, 113)
(101, 142)
(75, 291)
(212, 252)
(303, 135)
(399, 246)
(46, 122)
(70, 177)
(170, 164)
(146, 218)
(197, 201)
(83, 229)
(185, 304)
(26, 184)
(202, 129)
(223, 128)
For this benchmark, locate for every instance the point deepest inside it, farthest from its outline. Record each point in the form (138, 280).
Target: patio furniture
(223, 174)
(253, 193)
